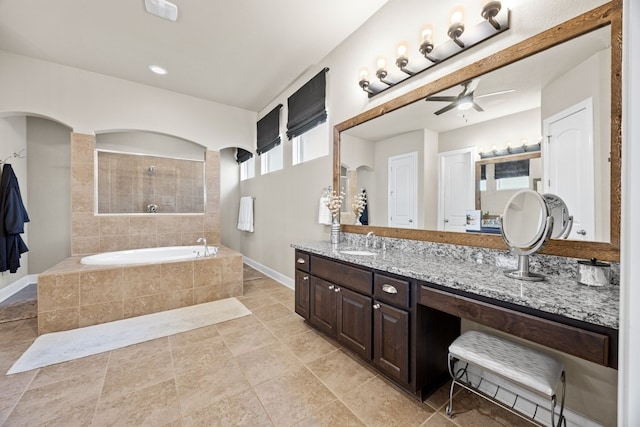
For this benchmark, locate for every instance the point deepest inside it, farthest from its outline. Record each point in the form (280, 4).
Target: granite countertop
(556, 294)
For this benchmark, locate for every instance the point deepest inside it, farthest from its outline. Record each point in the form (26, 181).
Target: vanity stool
(531, 369)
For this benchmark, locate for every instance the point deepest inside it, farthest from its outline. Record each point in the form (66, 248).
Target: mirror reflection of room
(419, 167)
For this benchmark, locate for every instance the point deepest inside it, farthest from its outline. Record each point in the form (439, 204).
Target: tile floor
(268, 368)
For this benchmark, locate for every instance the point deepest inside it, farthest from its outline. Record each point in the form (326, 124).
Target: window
(271, 161)
(248, 169)
(512, 175)
(310, 145)
(483, 178)
(306, 107)
(247, 164)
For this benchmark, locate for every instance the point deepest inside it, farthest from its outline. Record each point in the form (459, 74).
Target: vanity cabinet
(375, 315)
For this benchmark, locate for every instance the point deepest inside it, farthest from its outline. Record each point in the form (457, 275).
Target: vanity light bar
(510, 150)
(495, 21)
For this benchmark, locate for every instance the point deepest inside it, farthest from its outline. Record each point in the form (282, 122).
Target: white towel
(324, 214)
(245, 214)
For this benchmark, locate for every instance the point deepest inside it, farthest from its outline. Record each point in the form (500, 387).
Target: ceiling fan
(465, 100)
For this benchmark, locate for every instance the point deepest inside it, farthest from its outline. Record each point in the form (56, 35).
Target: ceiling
(241, 53)
(526, 78)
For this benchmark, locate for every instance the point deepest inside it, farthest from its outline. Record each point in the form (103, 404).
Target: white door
(403, 190)
(568, 165)
(456, 186)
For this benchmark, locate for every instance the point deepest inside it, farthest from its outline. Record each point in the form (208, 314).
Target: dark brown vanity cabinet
(374, 315)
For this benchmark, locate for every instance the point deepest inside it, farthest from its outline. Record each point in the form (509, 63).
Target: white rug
(57, 347)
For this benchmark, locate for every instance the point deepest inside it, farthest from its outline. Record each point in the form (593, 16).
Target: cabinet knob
(337, 289)
(389, 289)
(331, 286)
(300, 261)
(305, 278)
(376, 306)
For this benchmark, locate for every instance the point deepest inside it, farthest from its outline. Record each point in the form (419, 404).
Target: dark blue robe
(13, 216)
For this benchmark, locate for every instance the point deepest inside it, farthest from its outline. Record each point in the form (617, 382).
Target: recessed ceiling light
(158, 69)
(162, 8)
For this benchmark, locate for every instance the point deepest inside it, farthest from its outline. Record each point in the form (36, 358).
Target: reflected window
(515, 183)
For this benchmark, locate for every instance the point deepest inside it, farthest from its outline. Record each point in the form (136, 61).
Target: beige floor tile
(90, 366)
(267, 362)
(248, 339)
(198, 388)
(11, 389)
(236, 325)
(194, 336)
(251, 289)
(154, 405)
(377, 403)
(199, 355)
(268, 285)
(471, 410)
(340, 373)
(438, 420)
(257, 301)
(126, 377)
(309, 345)
(287, 326)
(271, 312)
(293, 397)
(137, 351)
(440, 398)
(55, 401)
(334, 414)
(243, 409)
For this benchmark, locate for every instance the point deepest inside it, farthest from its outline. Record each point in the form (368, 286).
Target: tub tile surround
(91, 233)
(72, 295)
(480, 271)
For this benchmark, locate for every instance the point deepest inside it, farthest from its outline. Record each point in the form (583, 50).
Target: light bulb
(364, 74)
(381, 63)
(427, 33)
(402, 49)
(466, 105)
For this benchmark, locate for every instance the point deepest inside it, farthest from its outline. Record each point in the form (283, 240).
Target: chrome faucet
(371, 235)
(204, 243)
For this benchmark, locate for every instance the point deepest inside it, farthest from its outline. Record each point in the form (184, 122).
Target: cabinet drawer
(391, 290)
(302, 261)
(353, 278)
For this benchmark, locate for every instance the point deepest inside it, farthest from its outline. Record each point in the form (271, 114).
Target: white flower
(334, 203)
(359, 202)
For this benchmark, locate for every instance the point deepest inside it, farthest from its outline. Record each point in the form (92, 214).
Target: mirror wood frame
(602, 16)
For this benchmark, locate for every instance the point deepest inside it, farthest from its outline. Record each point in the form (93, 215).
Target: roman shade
(511, 169)
(243, 155)
(269, 131)
(307, 106)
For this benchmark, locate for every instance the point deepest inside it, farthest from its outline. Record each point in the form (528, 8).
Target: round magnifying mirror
(562, 221)
(526, 224)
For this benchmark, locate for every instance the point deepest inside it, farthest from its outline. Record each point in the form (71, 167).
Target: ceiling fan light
(466, 105)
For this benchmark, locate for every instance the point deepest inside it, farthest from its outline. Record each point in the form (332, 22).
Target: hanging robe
(13, 216)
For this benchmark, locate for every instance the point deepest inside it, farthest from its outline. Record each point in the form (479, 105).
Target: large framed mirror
(522, 96)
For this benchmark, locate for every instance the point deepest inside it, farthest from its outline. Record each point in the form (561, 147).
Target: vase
(335, 231)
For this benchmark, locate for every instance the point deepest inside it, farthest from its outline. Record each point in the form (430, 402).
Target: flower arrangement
(359, 202)
(334, 202)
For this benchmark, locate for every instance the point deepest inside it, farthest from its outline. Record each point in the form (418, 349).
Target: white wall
(629, 374)
(13, 139)
(151, 143)
(49, 200)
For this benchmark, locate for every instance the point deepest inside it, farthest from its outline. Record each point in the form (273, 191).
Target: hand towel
(245, 214)
(324, 214)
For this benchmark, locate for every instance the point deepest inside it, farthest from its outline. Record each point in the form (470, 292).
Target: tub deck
(73, 295)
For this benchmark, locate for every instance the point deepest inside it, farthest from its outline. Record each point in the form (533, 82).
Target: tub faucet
(373, 241)
(204, 243)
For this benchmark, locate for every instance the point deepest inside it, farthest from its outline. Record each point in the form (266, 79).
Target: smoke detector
(162, 8)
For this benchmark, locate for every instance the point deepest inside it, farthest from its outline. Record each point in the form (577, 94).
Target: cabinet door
(391, 341)
(354, 321)
(322, 308)
(302, 294)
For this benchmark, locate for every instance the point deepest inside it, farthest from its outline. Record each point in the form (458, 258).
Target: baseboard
(17, 286)
(508, 391)
(279, 277)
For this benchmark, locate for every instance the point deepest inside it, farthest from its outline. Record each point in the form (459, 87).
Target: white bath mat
(57, 347)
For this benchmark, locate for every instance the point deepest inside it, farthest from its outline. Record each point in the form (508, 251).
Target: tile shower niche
(138, 183)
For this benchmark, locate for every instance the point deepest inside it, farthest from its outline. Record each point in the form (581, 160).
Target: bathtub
(85, 291)
(147, 255)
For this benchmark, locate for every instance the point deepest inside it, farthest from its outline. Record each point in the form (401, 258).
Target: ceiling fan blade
(500, 92)
(472, 85)
(477, 107)
(442, 98)
(445, 109)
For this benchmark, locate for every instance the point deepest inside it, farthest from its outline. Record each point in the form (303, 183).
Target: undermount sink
(357, 252)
